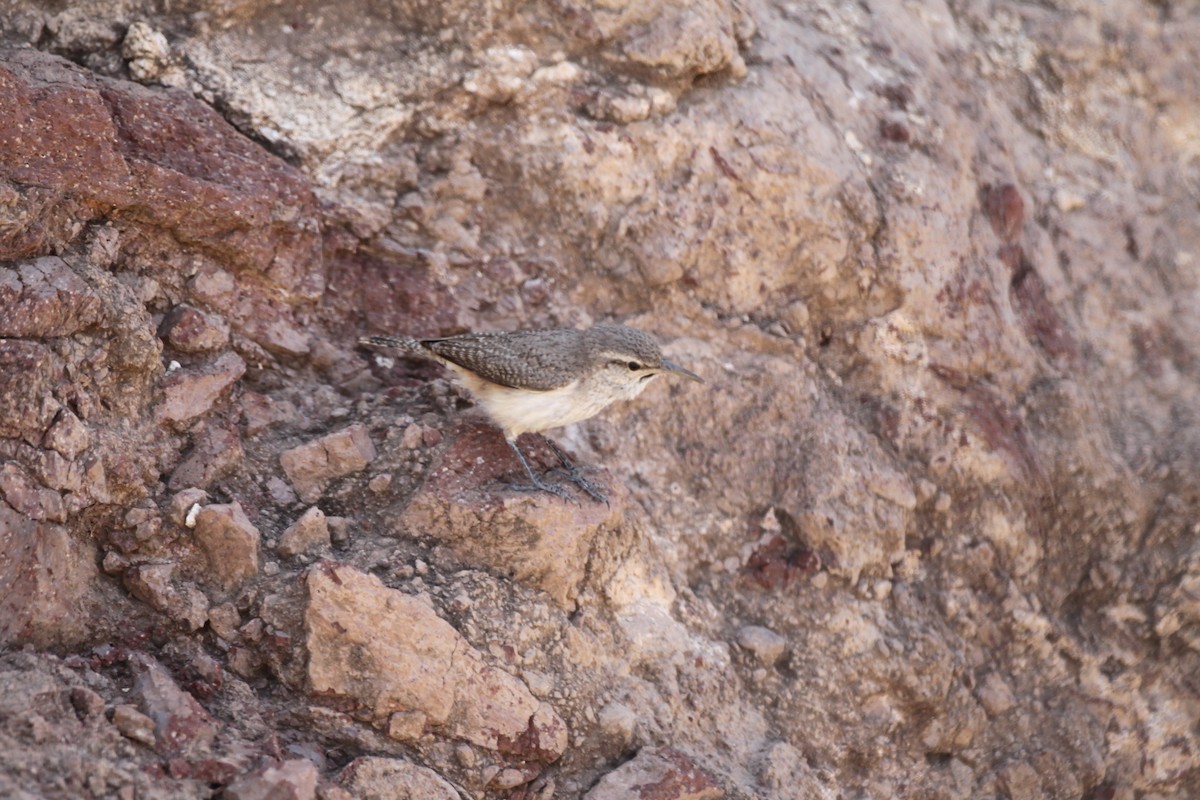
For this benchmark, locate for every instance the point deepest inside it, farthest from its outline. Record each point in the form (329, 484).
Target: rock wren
(542, 379)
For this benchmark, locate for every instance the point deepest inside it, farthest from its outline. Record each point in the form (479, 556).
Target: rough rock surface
(929, 528)
(391, 654)
(373, 778)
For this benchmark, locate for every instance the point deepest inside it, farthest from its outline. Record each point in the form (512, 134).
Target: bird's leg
(536, 483)
(572, 472)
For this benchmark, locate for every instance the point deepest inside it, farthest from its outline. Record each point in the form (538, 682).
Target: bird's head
(628, 359)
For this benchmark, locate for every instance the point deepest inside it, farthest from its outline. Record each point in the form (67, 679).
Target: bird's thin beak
(680, 371)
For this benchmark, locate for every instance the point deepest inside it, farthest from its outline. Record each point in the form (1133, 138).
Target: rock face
(313, 466)
(928, 529)
(230, 542)
(390, 653)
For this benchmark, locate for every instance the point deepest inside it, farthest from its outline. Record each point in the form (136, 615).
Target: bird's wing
(509, 359)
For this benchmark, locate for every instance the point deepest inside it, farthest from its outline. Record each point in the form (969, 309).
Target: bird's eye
(634, 366)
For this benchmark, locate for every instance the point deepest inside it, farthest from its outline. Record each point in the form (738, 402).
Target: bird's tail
(403, 344)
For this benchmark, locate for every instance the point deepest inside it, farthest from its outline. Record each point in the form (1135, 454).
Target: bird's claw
(543, 486)
(570, 470)
(576, 477)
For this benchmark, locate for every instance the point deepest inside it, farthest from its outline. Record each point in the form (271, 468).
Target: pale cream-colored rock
(311, 467)
(230, 541)
(994, 694)
(657, 773)
(765, 644)
(618, 721)
(406, 725)
(309, 532)
(184, 505)
(392, 653)
(378, 778)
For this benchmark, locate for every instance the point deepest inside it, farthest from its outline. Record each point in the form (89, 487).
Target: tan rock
(313, 466)
(406, 725)
(224, 619)
(543, 544)
(133, 724)
(377, 778)
(184, 502)
(994, 694)
(309, 532)
(230, 541)
(765, 644)
(392, 653)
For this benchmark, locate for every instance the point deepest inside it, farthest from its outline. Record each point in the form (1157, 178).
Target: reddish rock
(263, 319)
(217, 452)
(661, 773)
(161, 159)
(68, 435)
(45, 577)
(28, 374)
(260, 412)
(1005, 210)
(153, 585)
(45, 298)
(226, 536)
(191, 330)
(389, 652)
(377, 777)
(189, 393)
(295, 779)
(87, 703)
(27, 498)
(313, 466)
(307, 533)
(181, 725)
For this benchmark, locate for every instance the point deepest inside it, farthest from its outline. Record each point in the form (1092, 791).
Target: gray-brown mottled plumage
(540, 359)
(541, 379)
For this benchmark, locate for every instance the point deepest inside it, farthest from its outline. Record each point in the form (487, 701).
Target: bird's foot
(539, 485)
(536, 483)
(570, 470)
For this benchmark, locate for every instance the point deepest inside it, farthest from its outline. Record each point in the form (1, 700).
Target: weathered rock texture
(928, 530)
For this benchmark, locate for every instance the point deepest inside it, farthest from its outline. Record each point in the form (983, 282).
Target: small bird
(536, 380)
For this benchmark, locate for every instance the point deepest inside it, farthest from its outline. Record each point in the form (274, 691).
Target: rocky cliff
(928, 530)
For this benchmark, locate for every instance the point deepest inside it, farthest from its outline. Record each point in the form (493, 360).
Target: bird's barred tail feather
(403, 344)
